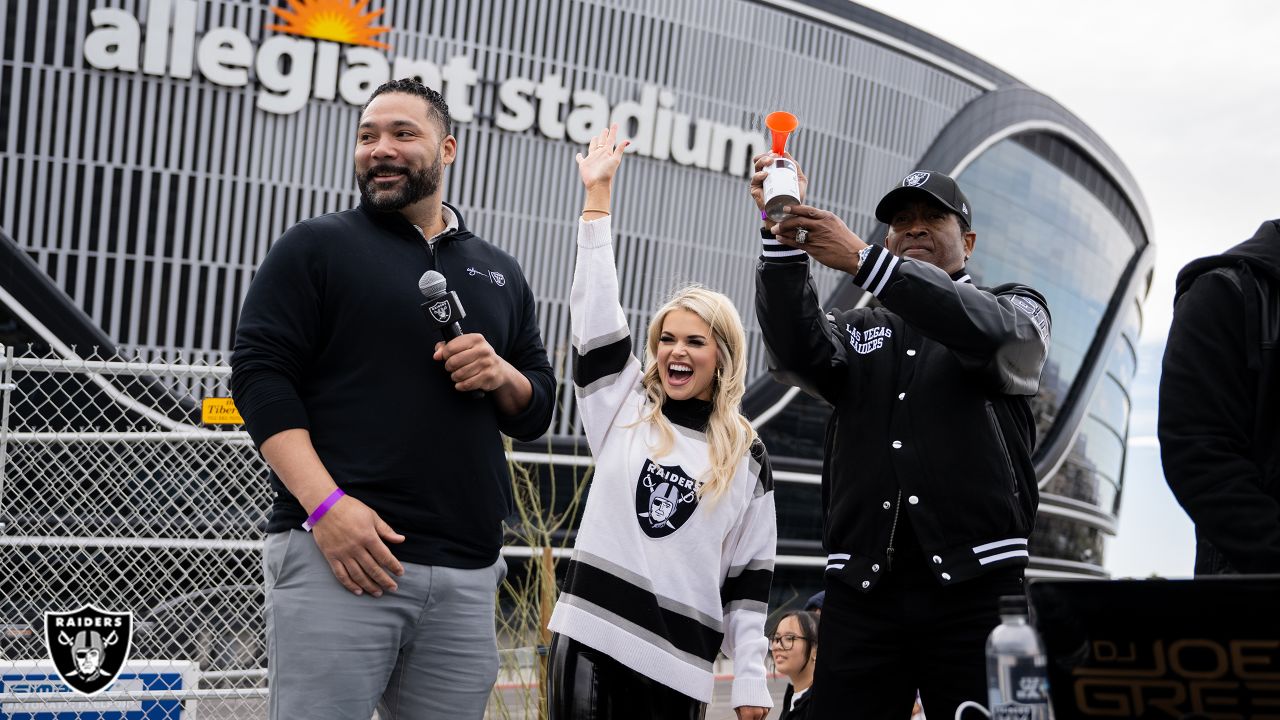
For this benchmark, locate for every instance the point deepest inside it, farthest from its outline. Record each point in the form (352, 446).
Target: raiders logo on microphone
(441, 311)
(88, 646)
(665, 499)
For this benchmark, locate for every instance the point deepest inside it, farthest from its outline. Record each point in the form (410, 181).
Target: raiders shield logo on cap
(88, 646)
(915, 179)
(665, 499)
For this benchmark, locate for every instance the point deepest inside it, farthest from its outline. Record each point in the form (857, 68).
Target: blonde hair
(729, 435)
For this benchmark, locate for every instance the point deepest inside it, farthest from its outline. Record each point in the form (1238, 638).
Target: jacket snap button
(897, 444)
(946, 576)
(866, 584)
(911, 353)
(875, 568)
(902, 396)
(937, 560)
(887, 505)
(913, 500)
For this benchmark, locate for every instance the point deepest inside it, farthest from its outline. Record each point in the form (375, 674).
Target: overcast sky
(1188, 95)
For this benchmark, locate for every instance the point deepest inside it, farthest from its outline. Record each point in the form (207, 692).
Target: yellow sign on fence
(220, 411)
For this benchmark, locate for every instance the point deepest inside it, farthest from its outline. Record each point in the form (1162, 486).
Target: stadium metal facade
(151, 151)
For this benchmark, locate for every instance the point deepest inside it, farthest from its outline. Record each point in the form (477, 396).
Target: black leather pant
(588, 685)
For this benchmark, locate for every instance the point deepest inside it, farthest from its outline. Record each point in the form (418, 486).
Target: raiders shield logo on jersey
(88, 646)
(665, 498)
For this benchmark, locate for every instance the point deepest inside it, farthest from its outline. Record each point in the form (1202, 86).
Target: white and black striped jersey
(660, 579)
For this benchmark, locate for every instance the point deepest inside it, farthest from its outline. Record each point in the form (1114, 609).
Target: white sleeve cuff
(751, 691)
(594, 233)
(876, 270)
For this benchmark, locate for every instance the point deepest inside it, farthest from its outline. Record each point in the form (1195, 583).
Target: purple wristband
(764, 214)
(323, 508)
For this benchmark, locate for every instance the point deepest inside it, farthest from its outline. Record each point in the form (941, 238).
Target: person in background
(1219, 422)
(794, 644)
(814, 604)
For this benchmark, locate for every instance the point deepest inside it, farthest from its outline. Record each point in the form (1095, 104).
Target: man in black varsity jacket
(928, 485)
(382, 554)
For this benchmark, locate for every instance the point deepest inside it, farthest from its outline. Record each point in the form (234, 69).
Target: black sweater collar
(396, 223)
(693, 413)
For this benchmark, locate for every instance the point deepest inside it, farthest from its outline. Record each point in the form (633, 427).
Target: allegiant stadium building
(152, 150)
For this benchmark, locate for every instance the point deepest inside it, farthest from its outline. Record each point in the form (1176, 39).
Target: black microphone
(443, 309)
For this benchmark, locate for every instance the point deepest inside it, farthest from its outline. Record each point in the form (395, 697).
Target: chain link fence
(114, 494)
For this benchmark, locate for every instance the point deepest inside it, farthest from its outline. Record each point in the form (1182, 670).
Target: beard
(416, 185)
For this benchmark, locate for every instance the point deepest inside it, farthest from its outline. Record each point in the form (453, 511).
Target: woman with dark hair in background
(795, 650)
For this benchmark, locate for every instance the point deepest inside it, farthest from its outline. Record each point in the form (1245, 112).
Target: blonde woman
(674, 558)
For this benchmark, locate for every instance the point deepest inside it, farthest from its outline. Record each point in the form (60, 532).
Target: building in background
(151, 151)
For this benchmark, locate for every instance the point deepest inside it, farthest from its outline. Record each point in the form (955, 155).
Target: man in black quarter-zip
(928, 485)
(382, 554)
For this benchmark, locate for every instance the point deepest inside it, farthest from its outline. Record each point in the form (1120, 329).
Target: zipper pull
(893, 532)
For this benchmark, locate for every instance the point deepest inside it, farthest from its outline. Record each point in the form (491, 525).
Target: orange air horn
(780, 124)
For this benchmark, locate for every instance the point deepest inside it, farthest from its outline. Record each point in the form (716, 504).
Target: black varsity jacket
(932, 414)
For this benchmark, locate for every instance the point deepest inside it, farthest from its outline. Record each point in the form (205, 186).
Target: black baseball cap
(938, 186)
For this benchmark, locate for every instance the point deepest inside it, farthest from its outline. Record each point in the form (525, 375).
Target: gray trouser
(426, 651)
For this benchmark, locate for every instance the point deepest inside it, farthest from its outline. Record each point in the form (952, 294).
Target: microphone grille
(431, 283)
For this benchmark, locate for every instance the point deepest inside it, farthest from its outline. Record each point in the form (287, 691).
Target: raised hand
(826, 238)
(757, 179)
(603, 157)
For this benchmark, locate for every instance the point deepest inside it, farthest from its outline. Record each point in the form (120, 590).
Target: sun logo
(335, 20)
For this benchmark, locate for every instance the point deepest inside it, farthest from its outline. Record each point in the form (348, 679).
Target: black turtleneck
(692, 413)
